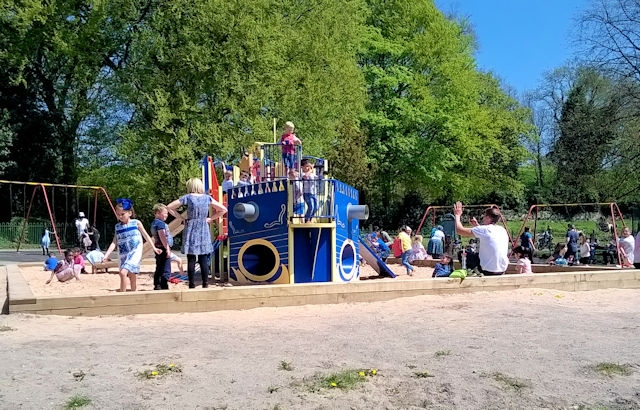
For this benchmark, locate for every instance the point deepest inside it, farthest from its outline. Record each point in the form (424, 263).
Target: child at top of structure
(289, 140)
(162, 240)
(227, 182)
(523, 264)
(298, 199)
(245, 178)
(128, 238)
(309, 188)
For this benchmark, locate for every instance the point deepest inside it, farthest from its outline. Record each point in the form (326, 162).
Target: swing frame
(534, 209)
(44, 186)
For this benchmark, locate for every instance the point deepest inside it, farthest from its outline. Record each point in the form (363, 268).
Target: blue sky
(520, 40)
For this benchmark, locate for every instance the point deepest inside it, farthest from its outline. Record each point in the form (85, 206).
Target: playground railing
(323, 192)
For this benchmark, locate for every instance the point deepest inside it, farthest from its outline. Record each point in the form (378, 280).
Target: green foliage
(435, 125)
(77, 401)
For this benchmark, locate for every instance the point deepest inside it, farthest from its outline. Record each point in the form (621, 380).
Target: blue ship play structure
(268, 238)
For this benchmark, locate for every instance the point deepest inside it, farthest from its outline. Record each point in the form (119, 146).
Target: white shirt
(628, 244)
(81, 225)
(494, 247)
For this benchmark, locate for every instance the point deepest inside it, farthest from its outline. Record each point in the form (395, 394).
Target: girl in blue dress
(128, 239)
(196, 237)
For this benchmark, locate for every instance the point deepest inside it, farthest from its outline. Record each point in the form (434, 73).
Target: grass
(441, 353)
(285, 365)
(159, 370)
(422, 375)
(77, 401)
(5, 328)
(612, 369)
(347, 379)
(511, 382)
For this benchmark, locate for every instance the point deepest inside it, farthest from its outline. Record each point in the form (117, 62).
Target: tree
(434, 124)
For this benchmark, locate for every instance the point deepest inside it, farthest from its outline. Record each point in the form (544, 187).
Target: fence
(10, 234)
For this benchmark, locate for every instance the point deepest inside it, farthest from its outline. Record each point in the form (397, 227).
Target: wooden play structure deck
(20, 298)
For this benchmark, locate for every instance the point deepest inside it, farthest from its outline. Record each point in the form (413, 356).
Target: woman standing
(196, 237)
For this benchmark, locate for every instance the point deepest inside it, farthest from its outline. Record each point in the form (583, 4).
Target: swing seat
(103, 267)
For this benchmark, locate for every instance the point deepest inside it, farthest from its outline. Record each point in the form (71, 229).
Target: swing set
(50, 204)
(603, 224)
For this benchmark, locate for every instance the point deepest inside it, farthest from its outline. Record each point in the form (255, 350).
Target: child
(244, 179)
(558, 255)
(298, 200)
(523, 264)
(128, 238)
(173, 258)
(50, 263)
(78, 260)
(585, 250)
(289, 141)
(162, 240)
(418, 253)
(442, 268)
(86, 241)
(66, 269)
(309, 188)
(227, 183)
(45, 241)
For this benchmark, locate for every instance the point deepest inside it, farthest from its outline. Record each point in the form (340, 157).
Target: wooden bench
(103, 267)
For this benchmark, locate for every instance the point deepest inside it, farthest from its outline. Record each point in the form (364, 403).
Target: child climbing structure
(269, 240)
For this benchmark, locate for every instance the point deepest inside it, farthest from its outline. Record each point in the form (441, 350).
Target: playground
(519, 348)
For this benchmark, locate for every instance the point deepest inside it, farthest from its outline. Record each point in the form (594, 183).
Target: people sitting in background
(473, 258)
(523, 264)
(94, 257)
(557, 258)
(66, 269)
(435, 246)
(610, 253)
(418, 253)
(382, 234)
(50, 263)
(442, 268)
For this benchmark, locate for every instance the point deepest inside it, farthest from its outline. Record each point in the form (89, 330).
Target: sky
(520, 40)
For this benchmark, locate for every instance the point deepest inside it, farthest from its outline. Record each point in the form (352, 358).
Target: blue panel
(312, 255)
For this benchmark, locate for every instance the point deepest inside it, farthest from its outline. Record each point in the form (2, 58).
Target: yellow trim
(251, 276)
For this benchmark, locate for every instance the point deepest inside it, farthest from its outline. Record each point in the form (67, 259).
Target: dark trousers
(159, 279)
(203, 261)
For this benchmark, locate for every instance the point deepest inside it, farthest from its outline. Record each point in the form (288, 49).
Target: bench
(103, 267)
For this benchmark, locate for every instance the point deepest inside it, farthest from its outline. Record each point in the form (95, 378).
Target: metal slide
(372, 259)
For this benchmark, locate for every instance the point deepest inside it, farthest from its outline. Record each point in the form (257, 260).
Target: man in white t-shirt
(493, 239)
(82, 224)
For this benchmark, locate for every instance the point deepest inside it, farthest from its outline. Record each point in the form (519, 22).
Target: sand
(517, 349)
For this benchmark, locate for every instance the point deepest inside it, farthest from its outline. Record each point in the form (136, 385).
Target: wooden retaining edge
(247, 297)
(4, 291)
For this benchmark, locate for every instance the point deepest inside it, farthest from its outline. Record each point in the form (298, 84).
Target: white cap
(81, 214)
(408, 229)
